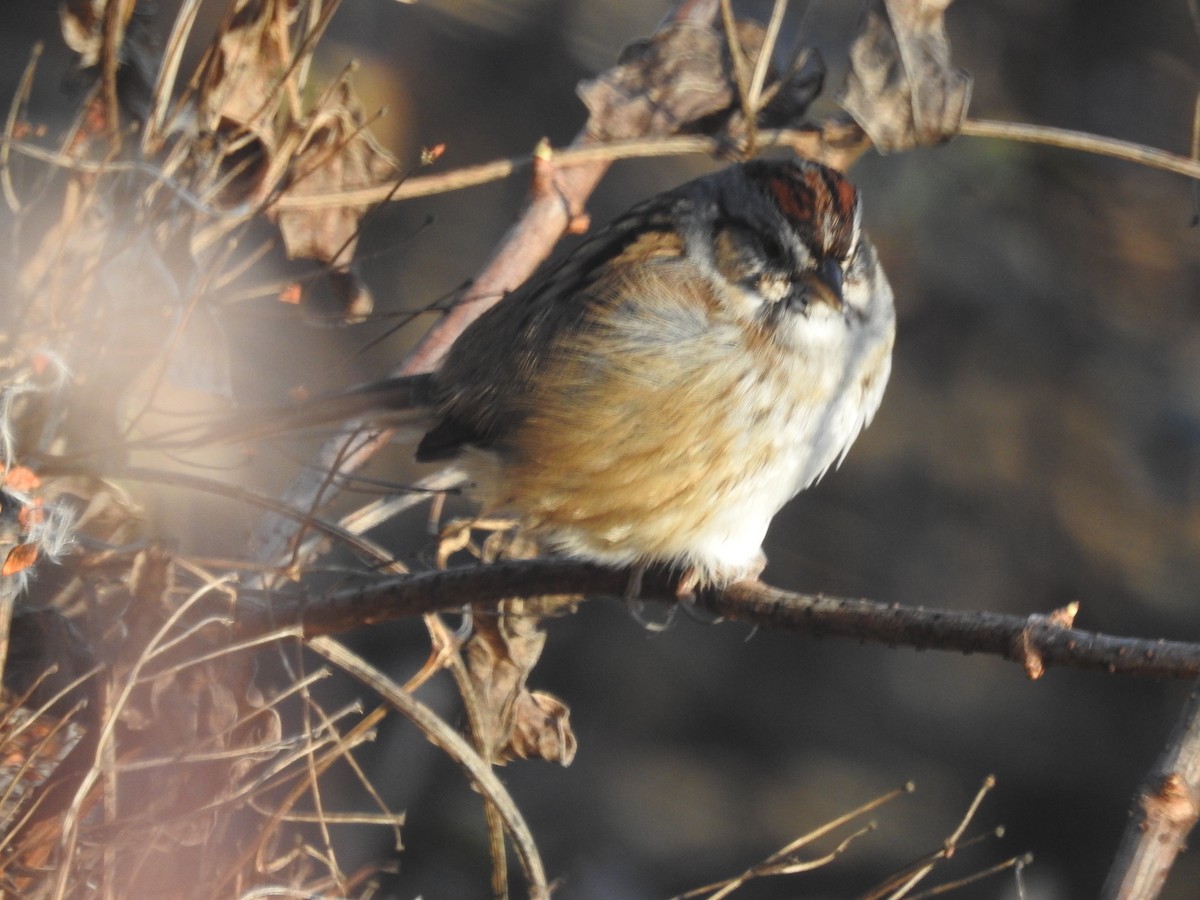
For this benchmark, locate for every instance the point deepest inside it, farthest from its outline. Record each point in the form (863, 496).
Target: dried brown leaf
(338, 154)
(515, 722)
(661, 84)
(542, 728)
(241, 88)
(680, 79)
(203, 719)
(31, 749)
(240, 94)
(800, 86)
(902, 88)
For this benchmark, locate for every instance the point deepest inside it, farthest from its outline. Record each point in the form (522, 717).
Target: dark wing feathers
(485, 386)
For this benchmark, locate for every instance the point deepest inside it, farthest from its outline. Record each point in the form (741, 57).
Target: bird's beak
(825, 285)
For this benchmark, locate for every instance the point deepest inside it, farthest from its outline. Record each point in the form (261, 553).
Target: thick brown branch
(1011, 637)
(1165, 811)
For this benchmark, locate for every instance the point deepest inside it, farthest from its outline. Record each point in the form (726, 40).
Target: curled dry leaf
(902, 88)
(681, 80)
(800, 85)
(242, 86)
(513, 722)
(542, 728)
(108, 514)
(676, 77)
(337, 154)
(240, 91)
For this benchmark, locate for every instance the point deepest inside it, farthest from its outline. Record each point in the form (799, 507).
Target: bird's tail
(403, 400)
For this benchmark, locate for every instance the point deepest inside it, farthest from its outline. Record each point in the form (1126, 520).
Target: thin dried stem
(115, 19)
(105, 737)
(10, 125)
(738, 61)
(781, 863)
(168, 71)
(766, 869)
(15, 778)
(1084, 142)
(1016, 863)
(824, 144)
(217, 488)
(450, 742)
(922, 869)
(763, 62)
(154, 173)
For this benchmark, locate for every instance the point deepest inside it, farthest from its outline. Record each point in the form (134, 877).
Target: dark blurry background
(1039, 443)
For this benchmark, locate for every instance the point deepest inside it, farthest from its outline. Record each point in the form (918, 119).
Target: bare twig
(1165, 811)
(1016, 863)
(738, 63)
(168, 71)
(909, 880)
(783, 862)
(830, 143)
(1082, 141)
(754, 92)
(751, 602)
(835, 143)
(108, 166)
(115, 19)
(10, 125)
(456, 747)
(218, 488)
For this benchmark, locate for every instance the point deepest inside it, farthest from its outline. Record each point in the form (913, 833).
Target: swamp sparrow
(659, 393)
(662, 391)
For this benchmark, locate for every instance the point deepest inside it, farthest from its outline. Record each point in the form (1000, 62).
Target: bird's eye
(754, 258)
(772, 250)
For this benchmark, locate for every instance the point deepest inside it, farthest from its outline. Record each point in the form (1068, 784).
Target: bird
(660, 392)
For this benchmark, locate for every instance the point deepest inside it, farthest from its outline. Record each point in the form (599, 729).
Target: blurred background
(1039, 443)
